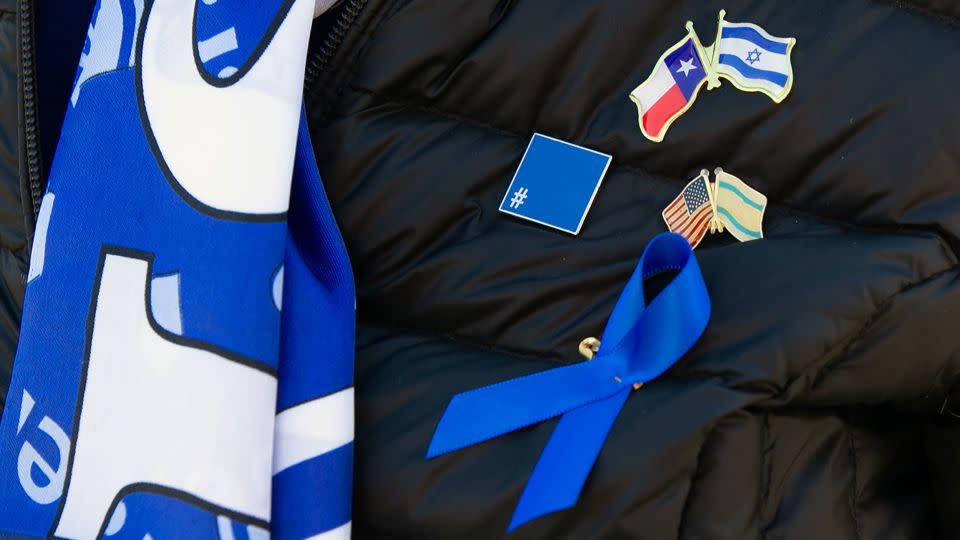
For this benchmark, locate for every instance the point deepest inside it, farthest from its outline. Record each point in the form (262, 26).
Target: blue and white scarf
(185, 364)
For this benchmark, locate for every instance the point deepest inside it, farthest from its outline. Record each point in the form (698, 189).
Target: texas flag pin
(673, 86)
(743, 53)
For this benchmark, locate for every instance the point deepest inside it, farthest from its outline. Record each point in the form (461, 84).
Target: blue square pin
(555, 183)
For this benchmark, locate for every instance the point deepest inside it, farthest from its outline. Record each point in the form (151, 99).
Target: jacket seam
(526, 355)
(816, 368)
(908, 6)
(694, 475)
(765, 475)
(819, 369)
(949, 251)
(854, 495)
(408, 104)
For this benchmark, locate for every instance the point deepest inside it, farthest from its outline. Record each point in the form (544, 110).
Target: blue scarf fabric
(185, 364)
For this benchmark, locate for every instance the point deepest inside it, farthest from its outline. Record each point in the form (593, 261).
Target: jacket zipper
(320, 61)
(30, 115)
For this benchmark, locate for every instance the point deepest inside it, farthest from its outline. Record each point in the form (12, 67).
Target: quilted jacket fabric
(817, 404)
(13, 233)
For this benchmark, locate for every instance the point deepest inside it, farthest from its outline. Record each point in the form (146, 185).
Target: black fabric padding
(13, 236)
(949, 10)
(807, 410)
(940, 444)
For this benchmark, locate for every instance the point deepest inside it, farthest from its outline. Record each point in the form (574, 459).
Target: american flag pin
(693, 211)
(727, 204)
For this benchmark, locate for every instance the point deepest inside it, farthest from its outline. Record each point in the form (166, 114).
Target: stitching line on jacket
(695, 474)
(898, 229)
(766, 473)
(943, 16)
(819, 369)
(366, 39)
(854, 495)
(526, 355)
(816, 368)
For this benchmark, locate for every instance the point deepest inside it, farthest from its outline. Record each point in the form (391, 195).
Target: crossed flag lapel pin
(726, 204)
(743, 53)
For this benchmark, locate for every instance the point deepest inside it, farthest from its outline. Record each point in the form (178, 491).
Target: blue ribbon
(639, 343)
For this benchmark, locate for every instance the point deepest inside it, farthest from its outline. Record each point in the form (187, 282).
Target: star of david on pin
(665, 95)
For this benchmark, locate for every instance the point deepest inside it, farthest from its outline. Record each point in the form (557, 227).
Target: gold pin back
(588, 349)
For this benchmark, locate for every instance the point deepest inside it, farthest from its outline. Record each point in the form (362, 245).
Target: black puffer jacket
(817, 404)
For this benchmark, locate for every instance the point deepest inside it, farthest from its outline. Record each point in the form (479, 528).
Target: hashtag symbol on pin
(518, 198)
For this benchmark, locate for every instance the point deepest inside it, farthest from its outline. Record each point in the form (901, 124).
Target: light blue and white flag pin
(753, 60)
(555, 183)
(739, 207)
